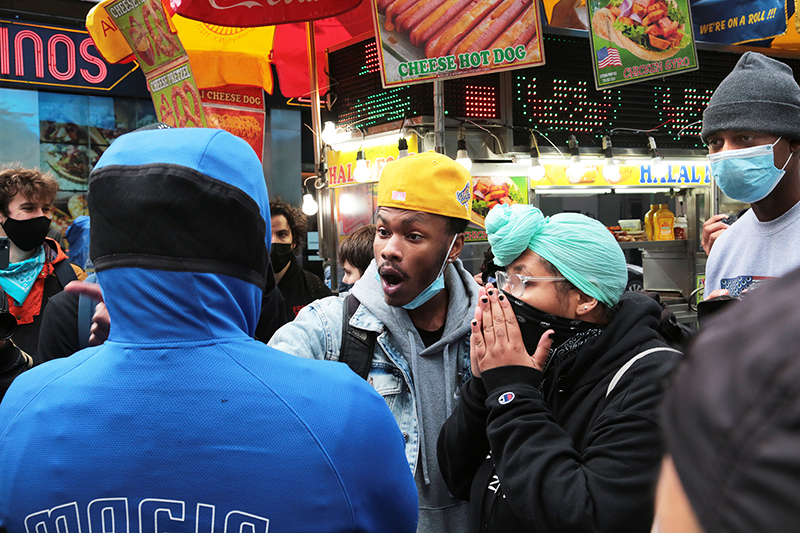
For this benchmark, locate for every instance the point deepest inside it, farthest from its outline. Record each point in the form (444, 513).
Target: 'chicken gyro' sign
(424, 40)
(635, 40)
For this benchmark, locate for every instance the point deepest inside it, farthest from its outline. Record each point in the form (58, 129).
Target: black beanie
(759, 95)
(731, 415)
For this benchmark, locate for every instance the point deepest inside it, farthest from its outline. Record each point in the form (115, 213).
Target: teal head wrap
(581, 248)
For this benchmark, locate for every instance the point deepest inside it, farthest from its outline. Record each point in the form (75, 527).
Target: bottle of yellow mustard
(664, 224)
(648, 222)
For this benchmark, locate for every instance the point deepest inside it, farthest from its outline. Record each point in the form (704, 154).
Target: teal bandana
(18, 278)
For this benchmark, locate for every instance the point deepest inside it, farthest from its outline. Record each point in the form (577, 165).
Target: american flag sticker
(506, 397)
(608, 57)
(399, 196)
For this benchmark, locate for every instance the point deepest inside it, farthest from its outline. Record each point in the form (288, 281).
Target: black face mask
(533, 323)
(280, 255)
(28, 234)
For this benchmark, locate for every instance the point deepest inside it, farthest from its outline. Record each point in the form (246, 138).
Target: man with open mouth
(415, 303)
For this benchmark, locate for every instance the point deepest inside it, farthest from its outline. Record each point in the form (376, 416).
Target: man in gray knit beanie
(752, 129)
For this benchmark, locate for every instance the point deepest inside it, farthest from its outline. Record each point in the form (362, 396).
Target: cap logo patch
(506, 397)
(399, 196)
(463, 195)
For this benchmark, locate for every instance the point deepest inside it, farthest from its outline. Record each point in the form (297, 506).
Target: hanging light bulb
(610, 168)
(658, 168)
(402, 148)
(576, 168)
(462, 157)
(536, 171)
(361, 172)
(329, 135)
(310, 206)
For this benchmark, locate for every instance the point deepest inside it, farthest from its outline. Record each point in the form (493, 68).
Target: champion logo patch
(399, 196)
(506, 397)
(463, 195)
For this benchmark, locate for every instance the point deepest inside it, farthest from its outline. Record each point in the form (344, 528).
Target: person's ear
(458, 247)
(794, 146)
(584, 305)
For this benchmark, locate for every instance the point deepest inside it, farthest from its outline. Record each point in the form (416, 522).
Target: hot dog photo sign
(634, 40)
(423, 40)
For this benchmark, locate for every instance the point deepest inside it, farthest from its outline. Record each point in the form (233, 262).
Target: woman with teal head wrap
(567, 371)
(581, 248)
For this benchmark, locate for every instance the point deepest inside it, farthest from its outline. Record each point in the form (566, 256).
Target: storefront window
(65, 134)
(75, 130)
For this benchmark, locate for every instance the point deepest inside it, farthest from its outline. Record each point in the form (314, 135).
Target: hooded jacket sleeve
(551, 483)
(462, 445)
(315, 333)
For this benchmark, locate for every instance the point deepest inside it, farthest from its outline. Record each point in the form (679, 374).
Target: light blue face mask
(747, 174)
(432, 289)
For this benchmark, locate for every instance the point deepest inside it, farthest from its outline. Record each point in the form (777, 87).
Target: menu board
(424, 40)
(635, 40)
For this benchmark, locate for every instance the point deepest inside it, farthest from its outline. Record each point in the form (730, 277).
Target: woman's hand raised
(496, 339)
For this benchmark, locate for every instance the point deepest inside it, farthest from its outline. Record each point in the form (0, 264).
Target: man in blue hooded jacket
(181, 421)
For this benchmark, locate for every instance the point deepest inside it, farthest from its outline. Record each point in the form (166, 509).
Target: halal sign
(53, 56)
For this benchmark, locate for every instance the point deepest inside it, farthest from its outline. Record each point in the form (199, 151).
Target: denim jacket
(316, 333)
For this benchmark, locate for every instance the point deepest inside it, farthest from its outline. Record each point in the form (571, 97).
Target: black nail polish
(474, 322)
(501, 297)
(490, 292)
(485, 300)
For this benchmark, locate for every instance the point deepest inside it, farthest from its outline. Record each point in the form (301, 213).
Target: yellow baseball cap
(430, 182)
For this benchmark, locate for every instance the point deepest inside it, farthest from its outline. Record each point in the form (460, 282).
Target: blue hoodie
(182, 422)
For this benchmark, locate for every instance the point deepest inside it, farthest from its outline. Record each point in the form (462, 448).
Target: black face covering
(28, 234)
(280, 255)
(569, 334)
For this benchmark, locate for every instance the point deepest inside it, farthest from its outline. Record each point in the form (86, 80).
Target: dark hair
(488, 268)
(297, 220)
(30, 183)
(564, 288)
(456, 225)
(357, 248)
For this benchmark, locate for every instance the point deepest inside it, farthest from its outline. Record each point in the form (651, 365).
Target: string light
(658, 168)
(462, 157)
(536, 171)
(610, 168)
(310, 205)
(576, 168)
(361, 173)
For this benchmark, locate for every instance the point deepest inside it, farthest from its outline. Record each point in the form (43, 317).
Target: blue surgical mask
(434, 288)
(747, 174)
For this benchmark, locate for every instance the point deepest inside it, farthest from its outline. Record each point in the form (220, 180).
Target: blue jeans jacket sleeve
(315, 333)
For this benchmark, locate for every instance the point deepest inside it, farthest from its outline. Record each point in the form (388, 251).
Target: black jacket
(299, 288)
(565, 456)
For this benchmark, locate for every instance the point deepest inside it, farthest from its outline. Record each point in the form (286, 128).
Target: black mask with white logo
(27, 234)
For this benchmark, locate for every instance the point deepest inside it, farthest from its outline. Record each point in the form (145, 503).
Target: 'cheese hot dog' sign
(422, 40)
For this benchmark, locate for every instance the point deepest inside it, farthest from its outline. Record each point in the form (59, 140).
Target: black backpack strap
(64, 272)
(358, 345)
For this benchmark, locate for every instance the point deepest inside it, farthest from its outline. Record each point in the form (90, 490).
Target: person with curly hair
(299, 287)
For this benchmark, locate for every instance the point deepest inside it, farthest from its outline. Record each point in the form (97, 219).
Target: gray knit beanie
(760, 95)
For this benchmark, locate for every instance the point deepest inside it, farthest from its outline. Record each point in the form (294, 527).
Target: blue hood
(180, 235)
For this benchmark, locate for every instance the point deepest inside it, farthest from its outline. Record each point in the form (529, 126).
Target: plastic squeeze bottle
(664, 224)
(648, 222)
